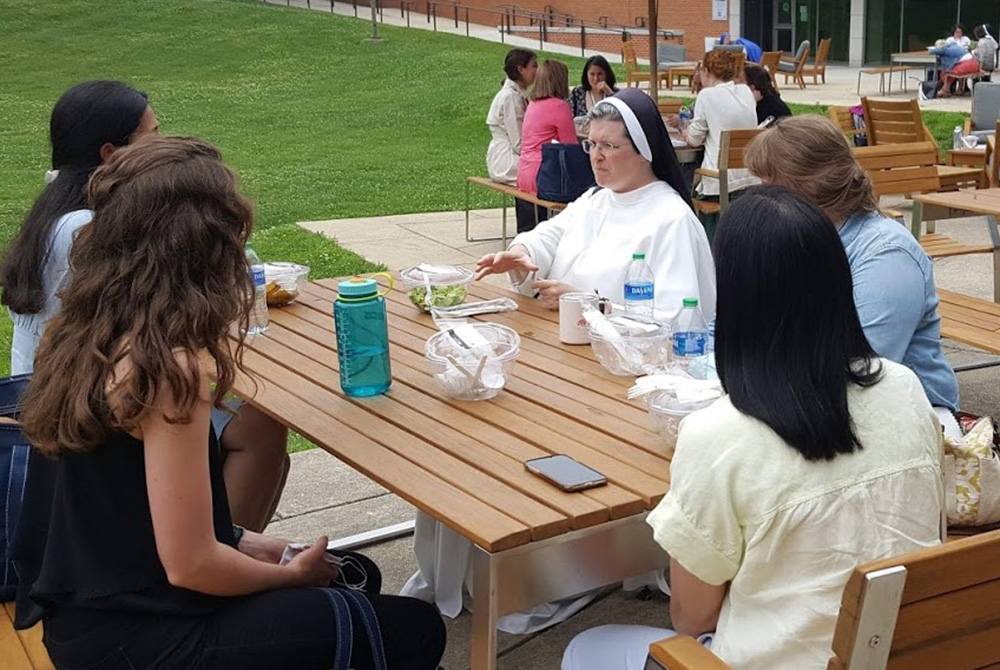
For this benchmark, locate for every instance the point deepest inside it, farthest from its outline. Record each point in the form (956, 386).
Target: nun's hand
(549, 291)
(515, 259)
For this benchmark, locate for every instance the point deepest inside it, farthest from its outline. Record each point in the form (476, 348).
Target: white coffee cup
(572, 325)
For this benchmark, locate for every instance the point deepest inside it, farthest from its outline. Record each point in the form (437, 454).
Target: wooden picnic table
(931, 207)
(462, 462)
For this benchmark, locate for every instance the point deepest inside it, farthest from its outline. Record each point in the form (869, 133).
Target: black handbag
(14, 455)
(565, 173)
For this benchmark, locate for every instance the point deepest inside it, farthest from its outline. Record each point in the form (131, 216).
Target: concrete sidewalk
(324, 496)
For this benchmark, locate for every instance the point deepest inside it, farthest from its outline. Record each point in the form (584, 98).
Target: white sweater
(590, 245)
(721, 107)
(504, 119)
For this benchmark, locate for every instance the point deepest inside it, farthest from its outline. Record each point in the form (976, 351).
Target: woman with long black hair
(820, 457)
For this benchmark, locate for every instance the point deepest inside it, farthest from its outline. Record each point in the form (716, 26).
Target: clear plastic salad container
(283, 282)
(472, 361)
(667, 410)
(430, 286)
(628, 345)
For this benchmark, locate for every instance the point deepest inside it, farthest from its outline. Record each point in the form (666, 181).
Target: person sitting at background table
(642, 205)
(959, 37)
(986, 49)
(506, 116)
(820, 457)
(894, 288)
(132, 558)
(547, 119)
(89, 123)
(769, 102)
(753, 51)
(597, 83)
(722, 104)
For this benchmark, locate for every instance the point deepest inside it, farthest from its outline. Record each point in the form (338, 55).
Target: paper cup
(572, 325)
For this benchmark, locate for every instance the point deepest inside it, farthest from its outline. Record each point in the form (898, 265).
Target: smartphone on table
(566, 473)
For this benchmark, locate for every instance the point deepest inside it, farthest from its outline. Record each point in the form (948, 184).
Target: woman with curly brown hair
(138, 564)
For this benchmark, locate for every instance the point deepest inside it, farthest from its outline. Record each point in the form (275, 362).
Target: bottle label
(639, 291)
(257, 274)
(690, 343)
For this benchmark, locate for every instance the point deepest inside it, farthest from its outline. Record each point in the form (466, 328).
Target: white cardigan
(504, 119)
(590, 245)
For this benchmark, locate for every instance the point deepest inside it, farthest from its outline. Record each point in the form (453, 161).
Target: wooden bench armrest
(684, 653)
(705, 172)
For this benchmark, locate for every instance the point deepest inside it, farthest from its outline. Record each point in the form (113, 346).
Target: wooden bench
(933, 608)
(905, 169)
(505, 190)
(21, 649)
(733, 144)
(969, 320)
(882, 72)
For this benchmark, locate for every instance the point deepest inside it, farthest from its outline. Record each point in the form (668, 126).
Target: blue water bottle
(362, 338)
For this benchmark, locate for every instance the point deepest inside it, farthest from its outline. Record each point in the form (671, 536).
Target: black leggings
(528, 215)
(287, 628)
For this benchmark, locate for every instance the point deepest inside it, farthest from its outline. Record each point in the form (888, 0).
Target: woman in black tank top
(128, 552)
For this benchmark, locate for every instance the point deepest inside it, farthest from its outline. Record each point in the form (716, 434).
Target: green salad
(441, 296)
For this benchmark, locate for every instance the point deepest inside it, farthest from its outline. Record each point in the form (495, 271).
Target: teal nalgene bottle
(362, 338)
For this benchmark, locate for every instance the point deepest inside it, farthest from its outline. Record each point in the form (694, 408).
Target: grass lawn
(318, 122)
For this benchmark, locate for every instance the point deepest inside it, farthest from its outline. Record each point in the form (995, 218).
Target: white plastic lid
(436, 275)
(632, 326)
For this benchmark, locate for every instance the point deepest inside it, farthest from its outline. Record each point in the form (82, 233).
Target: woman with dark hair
(89, 123)
(769, 102)
(986, 49)
(894, 289)
(138, 563)
(596, 83)
(507, 114)
(819, 458)
(641, 205)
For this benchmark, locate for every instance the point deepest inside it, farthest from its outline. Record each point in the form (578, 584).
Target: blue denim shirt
(897, 302)
(950, 55)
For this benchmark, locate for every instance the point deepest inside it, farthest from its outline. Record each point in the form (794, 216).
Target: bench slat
(985, 306)
(946, 616)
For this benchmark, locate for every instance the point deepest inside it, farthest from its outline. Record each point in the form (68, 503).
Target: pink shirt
(544, 121)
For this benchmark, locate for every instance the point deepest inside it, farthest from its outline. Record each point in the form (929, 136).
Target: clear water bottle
(639, 287)
(690, 334)
(684, 117)
(258, 319)
(957, 138)
(362, 338)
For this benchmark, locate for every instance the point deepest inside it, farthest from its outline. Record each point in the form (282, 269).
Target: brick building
(863, 31)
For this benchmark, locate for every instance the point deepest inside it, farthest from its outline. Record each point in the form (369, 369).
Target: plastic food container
(472, 361)
(637, 346)
(666, 413)
(283, 282)
(430, 286)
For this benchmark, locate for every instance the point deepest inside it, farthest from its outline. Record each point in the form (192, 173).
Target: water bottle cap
(690, 302)
(357, 287)
(638, 257)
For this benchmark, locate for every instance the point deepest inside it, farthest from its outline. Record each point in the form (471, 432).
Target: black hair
(516, 58)
(980, 31)
(788, 340)
(760, 79)
(601, 62)
(85, 118)
(958, 26)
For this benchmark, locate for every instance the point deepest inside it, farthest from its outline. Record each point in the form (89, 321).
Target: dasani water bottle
(639, 287)
(258, 319)
(690, 334)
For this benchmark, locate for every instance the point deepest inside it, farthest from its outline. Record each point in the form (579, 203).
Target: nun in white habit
(641, 204)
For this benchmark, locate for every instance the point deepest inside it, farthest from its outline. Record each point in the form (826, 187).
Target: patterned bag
(972, 477)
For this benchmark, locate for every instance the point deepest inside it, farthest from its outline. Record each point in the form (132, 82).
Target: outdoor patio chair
(817, 68)
(792, 68)
(843, 118)
(769, 61)
(633, 74)
(985, 110)
(894, 121)
(733, 144)
(932, 608)
(669, 55)
(669, 106)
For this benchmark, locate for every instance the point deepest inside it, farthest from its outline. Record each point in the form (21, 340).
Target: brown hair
(809, 155)
(551, 81)
(159, 275)
(721, 64)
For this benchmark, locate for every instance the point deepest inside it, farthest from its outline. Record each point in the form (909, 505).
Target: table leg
(484, 610)
(991, 224)
(467, 236)
(918, 218)
(503, 232)
(859, 82)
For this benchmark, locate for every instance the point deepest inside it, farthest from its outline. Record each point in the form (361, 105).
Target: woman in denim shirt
(893, 278)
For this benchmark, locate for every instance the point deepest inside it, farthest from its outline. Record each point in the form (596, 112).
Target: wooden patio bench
(506, 190)
(882, 72)
(969, 320)
(933, 608)
(21, 649)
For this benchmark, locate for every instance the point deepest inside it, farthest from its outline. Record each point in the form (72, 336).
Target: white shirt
(589, 246)
(28, 328)
(963, 42)
(746, 508)
(726, 106)
(504, 119)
